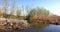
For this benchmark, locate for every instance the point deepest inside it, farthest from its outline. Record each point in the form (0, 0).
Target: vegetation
(1, 12)
(15, 13)
(38, 11)
(32, 13)
(18, 12)
(5, 8)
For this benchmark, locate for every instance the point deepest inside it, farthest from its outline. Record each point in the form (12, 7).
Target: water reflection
(32, 30)
(49, 28)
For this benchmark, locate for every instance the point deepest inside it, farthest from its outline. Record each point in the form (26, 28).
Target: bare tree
(5, 8)
(13, 7)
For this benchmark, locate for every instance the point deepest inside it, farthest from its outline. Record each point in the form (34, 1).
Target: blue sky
(51, 5)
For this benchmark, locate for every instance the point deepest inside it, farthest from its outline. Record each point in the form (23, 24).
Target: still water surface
(49, 28)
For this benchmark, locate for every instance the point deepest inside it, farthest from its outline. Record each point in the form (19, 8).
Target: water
(31, 30)
(49, 28)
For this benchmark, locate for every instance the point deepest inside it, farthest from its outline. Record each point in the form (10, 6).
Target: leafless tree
(13, 7)
(5, 8)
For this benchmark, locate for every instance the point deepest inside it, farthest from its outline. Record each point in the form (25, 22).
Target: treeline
(30, 13)
(37, 12)
(15, 11)
(13, 14)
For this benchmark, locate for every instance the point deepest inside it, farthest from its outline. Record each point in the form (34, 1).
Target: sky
(52, 5)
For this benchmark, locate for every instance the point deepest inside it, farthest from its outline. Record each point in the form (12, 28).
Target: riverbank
(7, 24)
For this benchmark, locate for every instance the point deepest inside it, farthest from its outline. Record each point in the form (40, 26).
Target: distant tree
(5, 8)
(28, 8)
(32, 12)
(38, 11)
(13, 7)
(18, 12)
(1, 12)
(42, 11)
